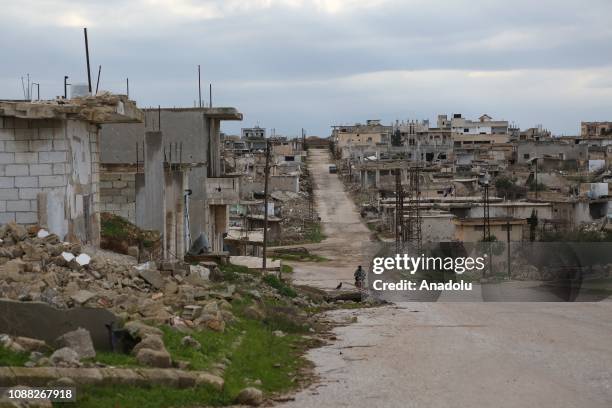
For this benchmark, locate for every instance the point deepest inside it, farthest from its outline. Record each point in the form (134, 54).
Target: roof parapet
(99, 109)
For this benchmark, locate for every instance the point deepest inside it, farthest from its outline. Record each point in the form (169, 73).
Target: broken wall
(49, 176)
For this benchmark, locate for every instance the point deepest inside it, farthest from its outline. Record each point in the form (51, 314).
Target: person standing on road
(359, 277)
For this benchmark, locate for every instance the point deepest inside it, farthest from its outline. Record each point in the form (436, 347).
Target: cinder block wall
(33, 159)
(118, 194)
(53, 156)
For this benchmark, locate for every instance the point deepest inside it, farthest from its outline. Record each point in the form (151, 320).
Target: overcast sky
(288, 64)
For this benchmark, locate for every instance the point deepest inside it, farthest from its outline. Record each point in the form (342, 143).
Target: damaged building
(182, 149)
(50, 162)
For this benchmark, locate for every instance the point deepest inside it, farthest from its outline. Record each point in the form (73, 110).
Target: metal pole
(98, 80)
(508, 243)
(87, 57)
(210, 95)
(66, 86)
(127, 86)
(536, 178)
(199, 88)
(265, 231)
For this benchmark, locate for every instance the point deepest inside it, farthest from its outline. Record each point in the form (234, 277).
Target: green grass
(254, 359)
(314, 233)
(116, 227)
(286, 269)
(10, 358)
(279, 285)
(231, 272)
(121, 396)
(115, 359)
(215, 346)
(259, 351)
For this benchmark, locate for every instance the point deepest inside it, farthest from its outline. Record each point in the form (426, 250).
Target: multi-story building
(595, 129)
(370, 134)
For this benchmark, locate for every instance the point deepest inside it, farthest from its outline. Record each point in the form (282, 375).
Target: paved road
(450, 354)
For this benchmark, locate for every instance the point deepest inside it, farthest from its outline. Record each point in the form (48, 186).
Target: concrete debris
(80, 341)
(83, 259)
(43, 233)
(190, 342)
(250, 396)
(65, 357)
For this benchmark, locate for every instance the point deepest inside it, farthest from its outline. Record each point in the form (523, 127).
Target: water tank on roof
(79, 90)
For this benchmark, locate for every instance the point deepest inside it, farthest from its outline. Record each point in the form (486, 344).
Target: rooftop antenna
(98, 81)
(199, 88)
(127, 87)
(87, 57)
(210, 95)
(23, 88)
(29, 97)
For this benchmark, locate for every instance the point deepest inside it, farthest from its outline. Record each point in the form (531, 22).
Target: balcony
(222, 190)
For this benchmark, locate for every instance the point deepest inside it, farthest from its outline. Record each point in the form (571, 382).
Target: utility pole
(486, 230)
(265, 231)
(536, 178)
(87, 57)
(199, 89)
(508, 244)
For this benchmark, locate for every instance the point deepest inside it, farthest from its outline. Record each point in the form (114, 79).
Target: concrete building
(560, 149)
(472, 229)
(190, 148)
(595, 129)
(370, 134)
(49, 160)
(253, 133)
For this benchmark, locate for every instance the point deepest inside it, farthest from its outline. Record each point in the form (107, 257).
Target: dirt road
(346, 234)
(461, 355)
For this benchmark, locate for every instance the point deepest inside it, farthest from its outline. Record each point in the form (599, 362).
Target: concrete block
(51, 181)
(7, 134)
(26, 218)
(45, 133)
(17, 170)
(106, 185)
(59, 168)
(20, 205)
(41, 145)
(16, 146)
(60, 145)
(2, 206)
(52, 157)
(27, 181)
(7, 158)
(26, 157)
(26, 134)
(119, 184)
(21, 123)
(7, 182)
(41, 169)
(119, 199)
(6, 217)
(28, 193)
(9, 194)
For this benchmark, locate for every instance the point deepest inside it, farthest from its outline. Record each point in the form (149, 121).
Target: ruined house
(195, 194)
(49, 162)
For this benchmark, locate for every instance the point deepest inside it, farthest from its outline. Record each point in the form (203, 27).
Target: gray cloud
(293, 63)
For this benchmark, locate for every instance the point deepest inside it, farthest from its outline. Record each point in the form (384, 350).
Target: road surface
(346, 235)
(504, 355)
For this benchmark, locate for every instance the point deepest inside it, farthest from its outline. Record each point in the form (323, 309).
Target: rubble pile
(37, 266)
